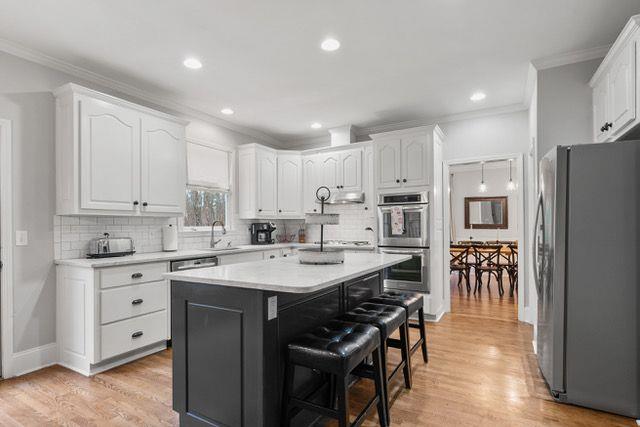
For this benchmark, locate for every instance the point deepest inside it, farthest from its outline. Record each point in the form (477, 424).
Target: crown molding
(570, 57)
(43, 59)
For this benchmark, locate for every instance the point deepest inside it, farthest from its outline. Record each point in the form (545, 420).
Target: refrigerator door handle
(535, 248)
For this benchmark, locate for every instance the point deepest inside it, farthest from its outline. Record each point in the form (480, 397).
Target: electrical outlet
(22, 237)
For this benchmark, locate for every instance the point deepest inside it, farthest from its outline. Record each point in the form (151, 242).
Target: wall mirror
(486, 213)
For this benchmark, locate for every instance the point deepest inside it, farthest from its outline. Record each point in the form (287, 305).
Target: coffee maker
(261, 233)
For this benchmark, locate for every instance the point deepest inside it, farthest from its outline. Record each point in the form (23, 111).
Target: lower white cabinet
(238, 258)
(111, 315)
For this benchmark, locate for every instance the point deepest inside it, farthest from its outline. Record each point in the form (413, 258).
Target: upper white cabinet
(402, 159)
(615, 89)
(341, 170)
(310, 182)
(116, 158)
(269, 183)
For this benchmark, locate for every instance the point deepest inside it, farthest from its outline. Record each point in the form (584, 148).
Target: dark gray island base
(229, 345)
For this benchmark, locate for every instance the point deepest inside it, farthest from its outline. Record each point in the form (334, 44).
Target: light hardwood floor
(482, 371)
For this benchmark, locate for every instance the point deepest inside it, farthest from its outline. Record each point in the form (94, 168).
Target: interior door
(415, 167)
(388, 163)
(289, 185)
(622, 90)
(351, 168)
(267, 184)
(110, 156)
(163, 171)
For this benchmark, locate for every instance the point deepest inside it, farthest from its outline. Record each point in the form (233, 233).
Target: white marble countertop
(191, 253)
(287, 274)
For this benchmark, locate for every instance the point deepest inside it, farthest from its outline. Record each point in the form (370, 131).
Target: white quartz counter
(287, 274)
(193, 253)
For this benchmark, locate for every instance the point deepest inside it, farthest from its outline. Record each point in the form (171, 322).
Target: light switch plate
(22, 238)
(272, 308)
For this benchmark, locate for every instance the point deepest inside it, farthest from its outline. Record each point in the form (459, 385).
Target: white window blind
(207, 166)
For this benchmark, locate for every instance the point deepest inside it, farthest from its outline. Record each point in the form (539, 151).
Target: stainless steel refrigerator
(586, 260)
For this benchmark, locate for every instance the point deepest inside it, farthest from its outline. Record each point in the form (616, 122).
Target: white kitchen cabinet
(402, 159)
(310, 182)
(289, 185)
(341, 170)
(269, 187)
(114, 157)
(110, 316)
(330, 170)
(616, 93)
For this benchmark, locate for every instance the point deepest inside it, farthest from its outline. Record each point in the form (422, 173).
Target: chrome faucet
(214, 242)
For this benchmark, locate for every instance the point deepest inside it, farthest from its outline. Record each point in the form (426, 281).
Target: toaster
(103, 247)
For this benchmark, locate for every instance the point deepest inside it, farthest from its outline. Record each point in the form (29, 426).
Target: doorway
(6, 250)
(484, 236)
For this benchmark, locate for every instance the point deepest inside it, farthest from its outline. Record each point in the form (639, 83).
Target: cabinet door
(310, 182)
(289, 185)
(622, 90)
(415, 165)
(109, 156)
(329, 171)
(600, 107)
(163, 171)
(388, 163)
(351, 170)
(267, 184)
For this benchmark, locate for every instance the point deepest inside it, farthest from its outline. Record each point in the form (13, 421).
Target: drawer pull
(136, 334)
(272, 256)
(137, 301)
(136, 276)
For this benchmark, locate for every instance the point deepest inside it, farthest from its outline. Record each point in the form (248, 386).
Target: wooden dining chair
(460, 263)
(512, 268)
(487, 259)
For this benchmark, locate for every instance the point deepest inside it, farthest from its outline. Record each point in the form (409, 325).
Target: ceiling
(399, 60)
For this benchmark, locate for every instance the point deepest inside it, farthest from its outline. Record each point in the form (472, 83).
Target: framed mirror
(488, 213)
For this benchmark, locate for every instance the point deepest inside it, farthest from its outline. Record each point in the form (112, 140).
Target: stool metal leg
(423, 335)
(343, 402)
(288, 392)
(383, 402)
(406, 354)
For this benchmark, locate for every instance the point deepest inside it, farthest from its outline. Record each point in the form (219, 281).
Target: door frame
(522, 246)
(6, 236)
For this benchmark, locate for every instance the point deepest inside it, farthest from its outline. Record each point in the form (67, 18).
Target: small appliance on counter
(261, 233)
(104, 247)
(321, 255)
(169, 238)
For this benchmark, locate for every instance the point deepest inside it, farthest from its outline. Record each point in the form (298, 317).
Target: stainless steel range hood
(346, 197)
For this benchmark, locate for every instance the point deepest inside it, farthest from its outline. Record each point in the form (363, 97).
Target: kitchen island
(231, 324)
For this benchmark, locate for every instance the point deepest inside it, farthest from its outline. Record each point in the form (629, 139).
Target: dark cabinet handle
(136, 275)
(137, 334)
(608, 125)
(404, 180)
(603, 128)
(398, 181)
(136, 203)
(137, 301)
(259, 210)
(279, 210)
(272, 256)
(366, 208)
(145, 204)
(315, 210)
(285, 255)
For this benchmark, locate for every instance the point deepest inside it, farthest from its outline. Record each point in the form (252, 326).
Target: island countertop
(287, 274)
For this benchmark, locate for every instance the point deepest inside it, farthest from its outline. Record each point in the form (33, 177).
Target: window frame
(207, 228)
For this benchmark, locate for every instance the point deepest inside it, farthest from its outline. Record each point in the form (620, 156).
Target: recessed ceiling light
(228, 111)
(478, 96)
(316, 125)
(330, 45)
(192, 63)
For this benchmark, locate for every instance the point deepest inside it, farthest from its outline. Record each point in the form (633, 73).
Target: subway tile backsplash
(71, 234)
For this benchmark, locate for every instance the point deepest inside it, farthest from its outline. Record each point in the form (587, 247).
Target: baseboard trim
(535, 346)
(33, 359)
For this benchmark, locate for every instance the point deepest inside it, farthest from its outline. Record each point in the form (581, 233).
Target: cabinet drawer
(132, 274)
(127, 335)
(271, 254)
(125, 302)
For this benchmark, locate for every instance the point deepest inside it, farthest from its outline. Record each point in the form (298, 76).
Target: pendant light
(483, 186)
(510, 185)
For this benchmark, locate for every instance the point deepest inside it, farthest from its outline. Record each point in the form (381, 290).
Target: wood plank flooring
(482, 372)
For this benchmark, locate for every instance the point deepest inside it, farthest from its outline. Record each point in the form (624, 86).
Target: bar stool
(338, 349)
(412, 302)
(387, 319)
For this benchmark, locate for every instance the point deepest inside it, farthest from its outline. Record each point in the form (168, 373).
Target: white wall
(26, 100)
(465, 181)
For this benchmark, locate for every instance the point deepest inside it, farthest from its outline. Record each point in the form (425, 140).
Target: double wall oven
(403, 228)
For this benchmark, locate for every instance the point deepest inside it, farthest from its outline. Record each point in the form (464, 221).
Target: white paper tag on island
(272, 308)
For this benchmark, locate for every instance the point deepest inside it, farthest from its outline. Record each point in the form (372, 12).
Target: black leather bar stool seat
(412, 302)
(387, 319)
(337, 349)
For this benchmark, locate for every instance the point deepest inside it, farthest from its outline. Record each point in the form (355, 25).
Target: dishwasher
(192, 263)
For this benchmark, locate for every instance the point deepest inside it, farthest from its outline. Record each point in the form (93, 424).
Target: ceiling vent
(343, 135)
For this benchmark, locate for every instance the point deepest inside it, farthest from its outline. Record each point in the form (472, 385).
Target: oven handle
(407, 252)
(404, 208)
